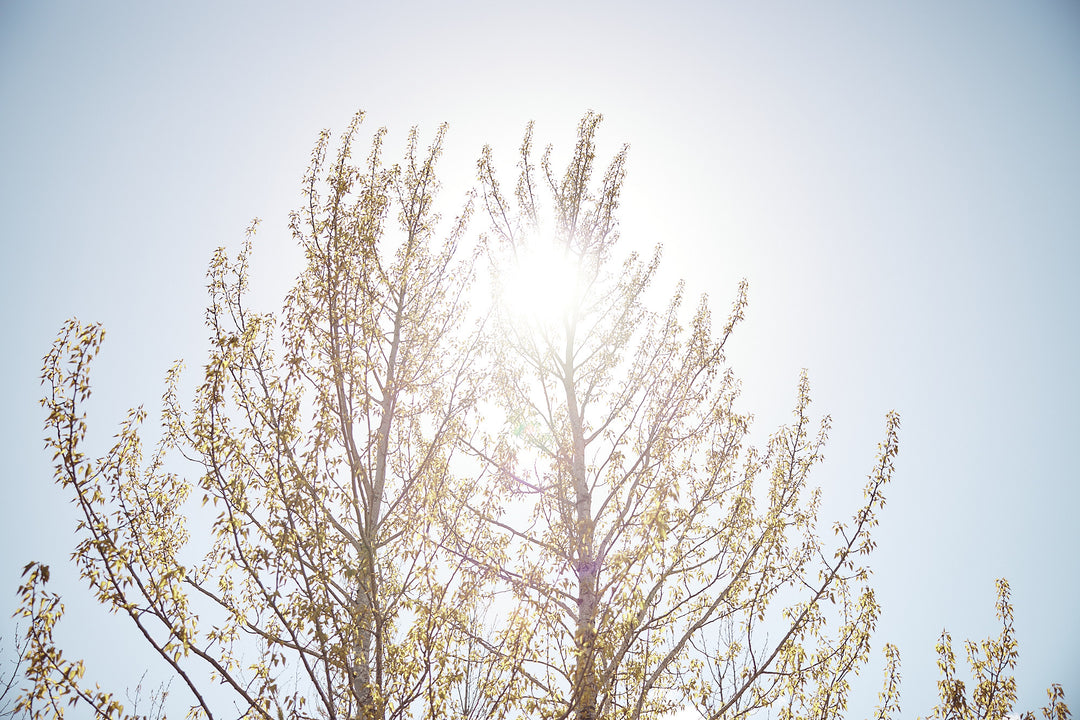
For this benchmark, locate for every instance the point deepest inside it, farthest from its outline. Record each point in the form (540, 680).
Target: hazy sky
(899, 182)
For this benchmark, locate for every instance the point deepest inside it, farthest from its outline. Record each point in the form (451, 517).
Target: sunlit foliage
(993, 694)
(324, 442)
(993, 691)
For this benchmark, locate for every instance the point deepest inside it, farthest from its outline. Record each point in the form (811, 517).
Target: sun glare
(539, 286)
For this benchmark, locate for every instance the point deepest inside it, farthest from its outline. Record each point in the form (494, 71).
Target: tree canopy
(414, 499)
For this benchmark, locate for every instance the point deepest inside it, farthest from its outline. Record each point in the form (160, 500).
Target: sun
(539, 285)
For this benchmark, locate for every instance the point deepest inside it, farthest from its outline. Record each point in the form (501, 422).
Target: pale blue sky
(899, 182)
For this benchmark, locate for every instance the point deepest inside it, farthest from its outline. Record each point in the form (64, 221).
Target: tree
(417, 509)
(325, 445)
(647, 559)
(994, 693)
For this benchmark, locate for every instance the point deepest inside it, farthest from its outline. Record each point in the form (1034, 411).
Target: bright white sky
(901, 187)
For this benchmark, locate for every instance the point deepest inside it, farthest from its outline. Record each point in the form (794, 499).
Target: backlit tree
(413, 501)
(657, 559)
(324, 444)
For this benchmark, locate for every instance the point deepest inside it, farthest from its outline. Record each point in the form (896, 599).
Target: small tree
(993, 693)
(991, 661)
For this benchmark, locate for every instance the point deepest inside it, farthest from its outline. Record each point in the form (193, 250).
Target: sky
(898, 182)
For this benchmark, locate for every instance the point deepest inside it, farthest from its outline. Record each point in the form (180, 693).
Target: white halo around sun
(539, 285)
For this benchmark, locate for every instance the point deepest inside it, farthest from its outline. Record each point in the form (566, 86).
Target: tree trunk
(587, 566)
